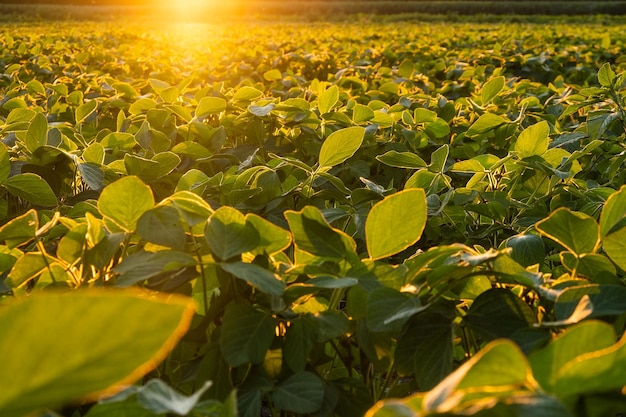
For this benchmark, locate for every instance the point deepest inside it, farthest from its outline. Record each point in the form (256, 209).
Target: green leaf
(491, 89)
(71, 245)
(438, 159)
(246, 335)
(160, 398)
(273, 238)
(606, 75)
(550, 364)
(328, 99)
(20, 230)
(32, 188)
(313, 234)
(193, 180)
(141, 266)
(162, 225)
(603, 300)
(425, 349)
(210, 105)
(341, 145)
(405, 214)
(499, 370)
(299, 341)
(125, 201)
(599, 371)
(485, 123)
(613, 211)
(142, 105)
(37, 133)
(577, 232)
(114, 339)
(92, 174)
(498, 313)
(402, 160)
(615, 247)
(527, 249)
(5, 164)
(326, 281)
(330, 324)
(389, 309)
(29, 266)
(256, 276)
(361, 113)
(591, 265)
(533, 140)
(191, 206)
(406, 68)
(85, 110)
(229, 235)
(247, 93)
(301, 392)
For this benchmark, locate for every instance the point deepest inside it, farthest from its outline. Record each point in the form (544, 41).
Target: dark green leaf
(302, 392)
(247, 334)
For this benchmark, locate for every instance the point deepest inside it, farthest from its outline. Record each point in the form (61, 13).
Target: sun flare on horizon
(186, 10)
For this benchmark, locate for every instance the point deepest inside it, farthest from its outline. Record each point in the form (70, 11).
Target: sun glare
(186, 10)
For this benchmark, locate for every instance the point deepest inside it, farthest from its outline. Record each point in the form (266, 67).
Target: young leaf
(114, 339)
(125, 201)
(328, 99)
(606, 75)
(247, 334)
(533, 140)
(341, 145)
(395, 223)
(491, 89)
(577, 232)
(37, 133)
(32, 188)
(85, 110)
(485, 123)
(402, 160)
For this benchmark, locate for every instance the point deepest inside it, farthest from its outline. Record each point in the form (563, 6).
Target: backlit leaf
(341, 145)
(533, 140)
(125, 201)
(228, 234)
(404, 213)
(114, 339)
(577, 232)
(32, 188)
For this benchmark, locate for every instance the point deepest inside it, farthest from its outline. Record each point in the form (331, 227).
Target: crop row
(430, 215)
